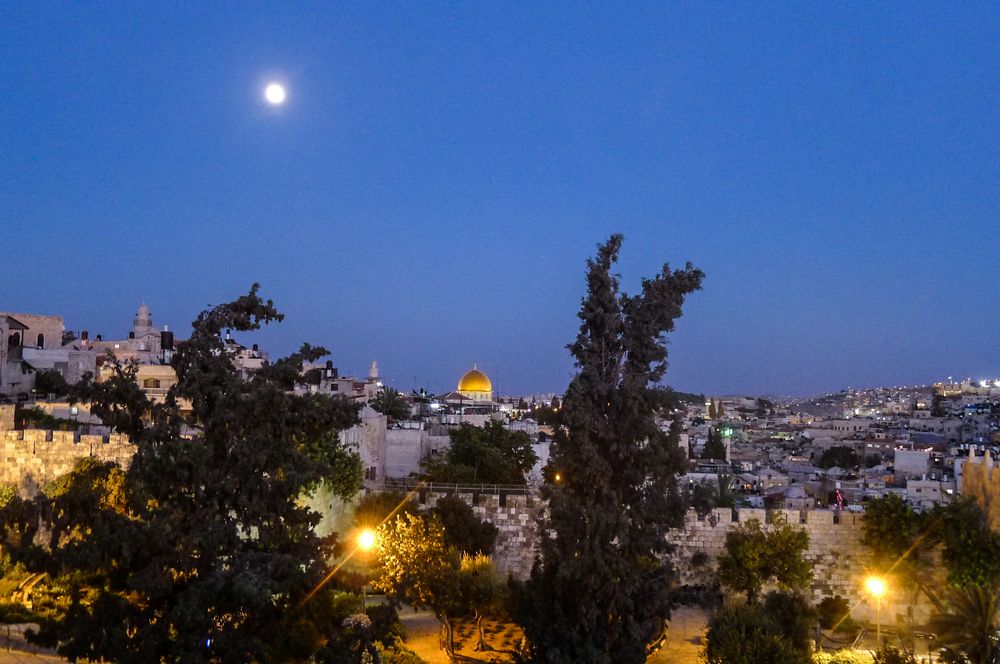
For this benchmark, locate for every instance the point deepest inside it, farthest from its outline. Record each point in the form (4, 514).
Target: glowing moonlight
(275, 94)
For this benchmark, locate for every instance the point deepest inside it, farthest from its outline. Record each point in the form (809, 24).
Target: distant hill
(687, 398)
(821, 406)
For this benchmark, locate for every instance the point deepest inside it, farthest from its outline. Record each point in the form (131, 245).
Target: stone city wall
(840, 561)
(517, 538)
(32, 457)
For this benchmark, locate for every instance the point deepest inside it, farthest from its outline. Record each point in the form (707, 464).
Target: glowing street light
(366, 539)
(875, 585)
(366, 542)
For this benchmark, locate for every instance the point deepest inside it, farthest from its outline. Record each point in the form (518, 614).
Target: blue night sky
(429, 193)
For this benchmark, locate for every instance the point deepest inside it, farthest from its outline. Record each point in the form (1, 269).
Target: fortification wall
(30, 458)
(517, 536)
(840, 561)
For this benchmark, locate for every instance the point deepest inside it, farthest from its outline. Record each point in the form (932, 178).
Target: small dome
(475, 381)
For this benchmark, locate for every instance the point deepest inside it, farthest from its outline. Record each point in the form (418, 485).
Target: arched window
(151, 382)
(41, 341)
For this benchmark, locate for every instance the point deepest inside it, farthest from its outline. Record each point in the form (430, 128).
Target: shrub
(832, 610)
(747, 635)
(386, 627)
(842, 657)
(794, 616)
(890, 655)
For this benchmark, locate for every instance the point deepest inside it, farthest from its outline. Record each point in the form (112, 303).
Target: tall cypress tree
(599, 590)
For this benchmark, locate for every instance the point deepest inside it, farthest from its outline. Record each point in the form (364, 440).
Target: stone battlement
(514, 517)
(29, 458)
(840, 561)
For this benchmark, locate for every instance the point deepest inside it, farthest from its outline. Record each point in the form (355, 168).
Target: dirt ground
(683, 646)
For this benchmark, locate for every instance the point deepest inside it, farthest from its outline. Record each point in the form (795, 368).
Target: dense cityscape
(499, 333)
(478, 462)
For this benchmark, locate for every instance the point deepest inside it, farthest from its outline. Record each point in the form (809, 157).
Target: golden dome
(475, 381)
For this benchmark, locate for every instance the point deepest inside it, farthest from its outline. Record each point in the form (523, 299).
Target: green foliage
(969, 626)
(747, 634)
(600, 591)
(492, 454)
(755, 555)
(50, 381)
(397, 655)
(832, 610)
(416, 565)
(203, 549)
(939, 407)
(888, 654)
(842, 657)
(375, 507)
(714, 447)
(482, 589)
(391, 403)
(713, 412)
(546, 415)
(969, 549)
(463, 530)
(7, 493)
(386, 627)
(794, 614)
(898, 538)
(700, 496)
(705, 496)
(36, 418)
(840, 456)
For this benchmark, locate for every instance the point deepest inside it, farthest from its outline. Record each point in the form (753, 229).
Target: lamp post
(875, 585)
(366, 542)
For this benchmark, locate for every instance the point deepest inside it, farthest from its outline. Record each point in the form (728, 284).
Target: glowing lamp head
(275, 94)
(557, 477)
(366, 539)
(875, 586)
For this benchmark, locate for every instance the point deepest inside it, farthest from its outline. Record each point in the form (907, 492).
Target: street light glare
(875, 586)
(366, 539)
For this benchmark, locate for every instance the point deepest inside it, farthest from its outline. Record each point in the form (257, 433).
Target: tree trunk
(481, 644)
(449, 636)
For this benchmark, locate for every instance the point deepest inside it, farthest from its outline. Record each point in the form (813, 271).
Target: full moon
(275, 94)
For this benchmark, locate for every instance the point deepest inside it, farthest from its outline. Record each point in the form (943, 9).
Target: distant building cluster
(834, 452)
(840, 450)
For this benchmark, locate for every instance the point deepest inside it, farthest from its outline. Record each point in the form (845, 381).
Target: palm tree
(391, 403)
(970, 625)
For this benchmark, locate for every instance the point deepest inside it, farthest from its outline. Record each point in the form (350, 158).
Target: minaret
(373, 371)
(143, 322)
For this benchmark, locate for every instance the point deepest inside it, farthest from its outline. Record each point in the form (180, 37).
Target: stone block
(723, 514)
(748, 513)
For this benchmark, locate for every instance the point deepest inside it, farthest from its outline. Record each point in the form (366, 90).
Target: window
(151, 382)
(14, 340)
(40, 341)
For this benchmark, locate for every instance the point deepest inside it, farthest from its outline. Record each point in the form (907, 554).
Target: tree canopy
(714, 448)
(391, 403)
(202, 549)
(492, 454)
(463, 530)
(599, 592)
(839, 456)
(416, 565)
(755, 555)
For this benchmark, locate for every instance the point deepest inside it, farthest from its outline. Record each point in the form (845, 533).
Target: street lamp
(366, 542)
(875, 585)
